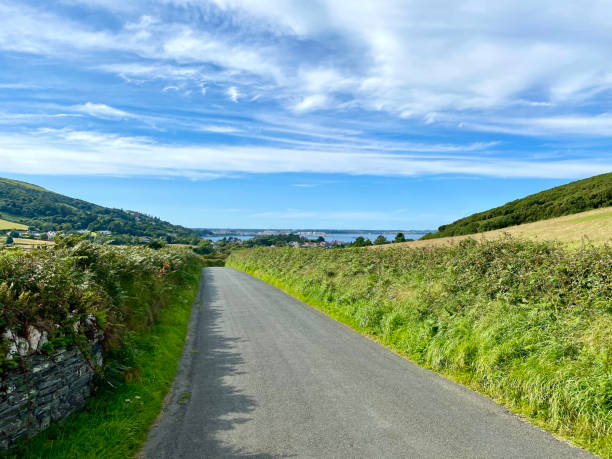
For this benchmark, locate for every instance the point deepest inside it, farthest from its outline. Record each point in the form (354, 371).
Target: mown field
(28, 244)
(7, 225)
(593, 226)
(528, 323)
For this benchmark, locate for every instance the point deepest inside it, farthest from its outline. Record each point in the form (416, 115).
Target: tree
(9, 240)
(155, 244)
(368, 242)
(381, 240)
(204, 248)
(400, 238)
(359, 242)
(14, 234)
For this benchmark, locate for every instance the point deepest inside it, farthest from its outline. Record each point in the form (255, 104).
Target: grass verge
(528, 324)
(115, 421)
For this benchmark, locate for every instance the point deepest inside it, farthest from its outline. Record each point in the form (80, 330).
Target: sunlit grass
(7, 225)
(571, 230)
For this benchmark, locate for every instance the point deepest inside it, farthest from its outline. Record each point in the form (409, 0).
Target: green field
(527, 323)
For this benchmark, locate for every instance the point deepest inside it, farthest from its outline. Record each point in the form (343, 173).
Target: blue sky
(287, 114)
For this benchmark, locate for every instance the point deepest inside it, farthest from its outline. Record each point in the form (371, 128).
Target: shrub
(75, 289)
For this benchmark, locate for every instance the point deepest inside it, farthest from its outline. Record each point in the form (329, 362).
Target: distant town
(309, 233)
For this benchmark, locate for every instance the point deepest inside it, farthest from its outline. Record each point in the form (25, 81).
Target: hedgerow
(529, 323)
(75, 290)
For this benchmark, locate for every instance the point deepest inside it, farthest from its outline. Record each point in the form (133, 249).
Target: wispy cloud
(61, 151)
(221, 129)
(572, 125)
(413, 60)
(101, 111)
(18, 86)
(371, 87)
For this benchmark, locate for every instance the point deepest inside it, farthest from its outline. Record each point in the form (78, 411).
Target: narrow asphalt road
(264, 375)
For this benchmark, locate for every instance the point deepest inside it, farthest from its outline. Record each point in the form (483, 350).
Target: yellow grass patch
(6, 225)
(593, 225)
(27, 244)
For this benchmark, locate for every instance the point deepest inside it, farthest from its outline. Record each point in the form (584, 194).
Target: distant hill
(579, 196)
(44, 210)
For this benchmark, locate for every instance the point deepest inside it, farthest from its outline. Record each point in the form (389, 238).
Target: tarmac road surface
(265, 375)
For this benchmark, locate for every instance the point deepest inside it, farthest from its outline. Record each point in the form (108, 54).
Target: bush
(77, 288)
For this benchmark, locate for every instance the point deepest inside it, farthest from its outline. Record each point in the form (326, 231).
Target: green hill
(587, 194)
(44, 210)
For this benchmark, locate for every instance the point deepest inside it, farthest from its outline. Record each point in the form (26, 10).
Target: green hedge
(527, 323)
(76, 288)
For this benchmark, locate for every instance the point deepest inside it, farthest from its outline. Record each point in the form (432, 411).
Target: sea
(344, 237)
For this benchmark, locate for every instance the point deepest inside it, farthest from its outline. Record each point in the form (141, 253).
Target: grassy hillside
(594, 226)
(528, 323)
(44, 210)
(6, 225)
(587, 194)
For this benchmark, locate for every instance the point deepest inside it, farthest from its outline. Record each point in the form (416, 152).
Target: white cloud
(233, 94)
(407, 58)
(18, 86)
(221, 129)
(309, 103)
(573, 125)
(101, 111)
(62, 151)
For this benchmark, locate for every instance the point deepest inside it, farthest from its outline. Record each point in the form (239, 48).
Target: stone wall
(55, 386)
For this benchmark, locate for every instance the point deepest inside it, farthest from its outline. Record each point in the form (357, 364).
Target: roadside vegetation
(527, 323)
(140, 298)
(592, 193)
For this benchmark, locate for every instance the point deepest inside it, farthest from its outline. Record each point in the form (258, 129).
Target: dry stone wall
(52, 387)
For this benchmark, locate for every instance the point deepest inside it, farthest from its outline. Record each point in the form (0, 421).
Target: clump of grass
(528, 323)
(115, 422)
(184, 398)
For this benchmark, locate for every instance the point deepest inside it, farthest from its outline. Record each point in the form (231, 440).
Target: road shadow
(202, 403)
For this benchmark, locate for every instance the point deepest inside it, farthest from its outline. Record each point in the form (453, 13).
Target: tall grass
(529, 324)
